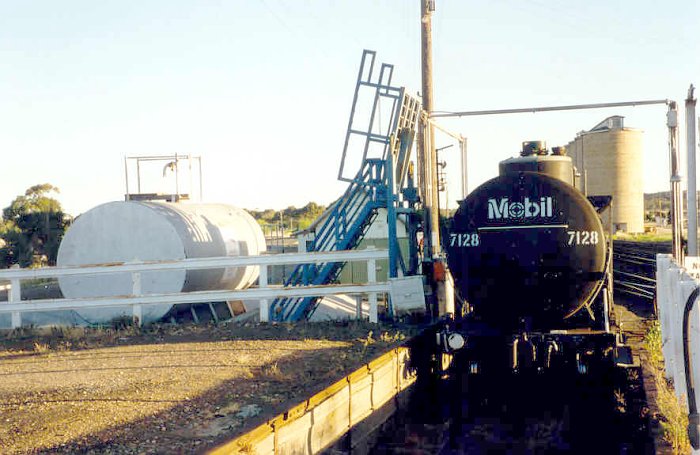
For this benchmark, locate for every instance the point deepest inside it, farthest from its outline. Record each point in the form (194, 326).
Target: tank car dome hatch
(533, 148)
(526, 249)
(133, 231)
(534, 158)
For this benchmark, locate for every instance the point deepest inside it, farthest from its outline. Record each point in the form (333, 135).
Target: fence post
(676, 324)
(372, 278)
(15, 296)
(262, 283)
(665, 308)
(137, 310)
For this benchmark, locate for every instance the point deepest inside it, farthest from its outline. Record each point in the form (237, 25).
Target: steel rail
(641, 277)
(633, 286)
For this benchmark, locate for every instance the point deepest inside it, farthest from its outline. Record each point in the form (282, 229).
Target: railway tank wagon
(530, 258)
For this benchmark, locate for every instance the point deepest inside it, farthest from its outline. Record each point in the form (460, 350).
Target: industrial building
(608, 158)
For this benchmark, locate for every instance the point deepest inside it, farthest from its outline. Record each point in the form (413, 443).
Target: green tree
(291, 217)
(32, 228)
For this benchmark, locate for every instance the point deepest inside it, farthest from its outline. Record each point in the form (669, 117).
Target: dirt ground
(167, 389)
(183, 389)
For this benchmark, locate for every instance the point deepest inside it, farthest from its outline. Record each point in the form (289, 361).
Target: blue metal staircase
(345, 223)
(344, 228)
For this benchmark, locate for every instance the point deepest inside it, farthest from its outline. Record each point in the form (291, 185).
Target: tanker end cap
(534, 148)
(694, 430)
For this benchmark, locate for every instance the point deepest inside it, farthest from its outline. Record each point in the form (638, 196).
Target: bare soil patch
(168, 389)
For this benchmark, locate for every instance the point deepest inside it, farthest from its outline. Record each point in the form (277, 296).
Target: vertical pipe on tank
(138, 176)
(199, 162)
(126, 179)
(177, 182)
(190, 190)
(692, 183)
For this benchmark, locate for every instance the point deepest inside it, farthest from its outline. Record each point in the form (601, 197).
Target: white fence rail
(674, 286)
(16, 306)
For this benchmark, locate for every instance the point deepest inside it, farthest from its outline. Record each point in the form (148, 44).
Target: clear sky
(262, 89)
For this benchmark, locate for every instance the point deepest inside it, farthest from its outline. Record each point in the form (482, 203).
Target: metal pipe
(199, 160)
(676, 195)
(152, 158)
(584, 171)
(138, 176)
(436, 125)
(190, 190)
(693, 417)
(611, 265)
(547, 108)
(391, 208)
(463, 149)
(126, 178)
(177, 181)
(606, 310)
(692, 183)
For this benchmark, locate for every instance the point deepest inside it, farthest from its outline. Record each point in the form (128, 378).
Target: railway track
(634, 267)
(538, 413)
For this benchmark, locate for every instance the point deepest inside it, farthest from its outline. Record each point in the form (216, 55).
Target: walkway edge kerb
(325, 417)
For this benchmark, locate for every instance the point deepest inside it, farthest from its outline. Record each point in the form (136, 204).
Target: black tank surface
(526, 250)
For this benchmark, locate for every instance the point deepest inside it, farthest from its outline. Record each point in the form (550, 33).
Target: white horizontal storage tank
(157, 231)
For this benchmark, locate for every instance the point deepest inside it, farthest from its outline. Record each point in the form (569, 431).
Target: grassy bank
(673, 413)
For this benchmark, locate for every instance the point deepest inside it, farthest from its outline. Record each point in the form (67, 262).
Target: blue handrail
(343, 229)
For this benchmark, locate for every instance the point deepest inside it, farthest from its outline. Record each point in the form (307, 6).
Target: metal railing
(343, 229)
(16, 306)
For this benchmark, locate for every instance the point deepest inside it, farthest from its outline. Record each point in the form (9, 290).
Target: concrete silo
(609, 159)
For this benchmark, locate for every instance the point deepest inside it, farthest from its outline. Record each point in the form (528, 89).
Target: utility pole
(692, 183)
(426, 148)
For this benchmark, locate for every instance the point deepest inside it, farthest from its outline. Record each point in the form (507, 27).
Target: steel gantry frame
(383, 168)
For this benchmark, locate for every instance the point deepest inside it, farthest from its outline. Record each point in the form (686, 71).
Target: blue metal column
(391, 221)
(391, 214)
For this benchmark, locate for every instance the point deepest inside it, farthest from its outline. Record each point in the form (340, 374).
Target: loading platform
(380, 144)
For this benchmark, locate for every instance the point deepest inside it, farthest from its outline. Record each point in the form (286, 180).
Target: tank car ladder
(383, 164)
